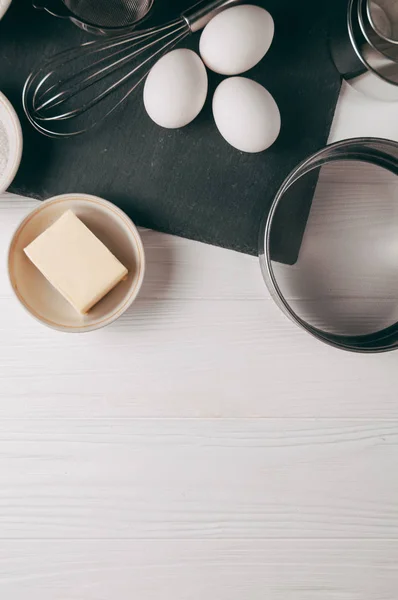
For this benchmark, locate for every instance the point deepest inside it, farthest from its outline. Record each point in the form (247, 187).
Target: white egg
(236, 39)
(176, 89)
(246, 114)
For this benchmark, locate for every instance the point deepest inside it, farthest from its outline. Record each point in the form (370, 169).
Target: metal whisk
(76, 89)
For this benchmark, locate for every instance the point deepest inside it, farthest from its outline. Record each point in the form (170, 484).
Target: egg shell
(176, 89)
(246, 114)
(236, 39)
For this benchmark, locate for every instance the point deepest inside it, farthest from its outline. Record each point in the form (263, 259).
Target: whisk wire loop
(73, 91)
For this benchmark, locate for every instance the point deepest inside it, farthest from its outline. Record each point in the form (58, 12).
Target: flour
(4, 4)
(4, 148)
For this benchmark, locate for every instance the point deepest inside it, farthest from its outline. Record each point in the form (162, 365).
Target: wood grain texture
(197, 569)
(202, 446)
(204, 339)
(207, 479)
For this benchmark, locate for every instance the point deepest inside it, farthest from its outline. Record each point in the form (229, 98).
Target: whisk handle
(200, 14)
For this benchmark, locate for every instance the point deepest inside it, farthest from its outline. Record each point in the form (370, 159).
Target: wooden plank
(194, 344)
(188, 358)
(193, 478)
(357, 116)
(197, 569)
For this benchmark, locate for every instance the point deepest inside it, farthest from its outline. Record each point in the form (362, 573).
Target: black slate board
(187, 182)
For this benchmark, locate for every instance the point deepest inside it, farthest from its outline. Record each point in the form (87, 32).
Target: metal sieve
(383, 16)
(99, 16)
(342, 286)
(366, 61)
(383, 54)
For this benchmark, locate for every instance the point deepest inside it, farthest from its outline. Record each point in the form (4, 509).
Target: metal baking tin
(380, 152)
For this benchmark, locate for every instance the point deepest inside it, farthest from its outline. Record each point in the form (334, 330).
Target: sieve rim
(378, 46)
(85, 23)
(353, 35)
(375, 27)
(361, 148)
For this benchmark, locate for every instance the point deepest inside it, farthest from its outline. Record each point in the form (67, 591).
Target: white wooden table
(202, 447)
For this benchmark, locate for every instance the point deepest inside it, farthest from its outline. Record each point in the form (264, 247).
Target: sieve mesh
(109, 13)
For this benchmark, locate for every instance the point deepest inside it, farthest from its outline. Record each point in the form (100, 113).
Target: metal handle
(55, 7)
(200, 14)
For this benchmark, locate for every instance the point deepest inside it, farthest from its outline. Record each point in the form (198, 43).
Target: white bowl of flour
(10, 143)
(4, 4)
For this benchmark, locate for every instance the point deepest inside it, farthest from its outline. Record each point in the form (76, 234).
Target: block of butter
(75, 262)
